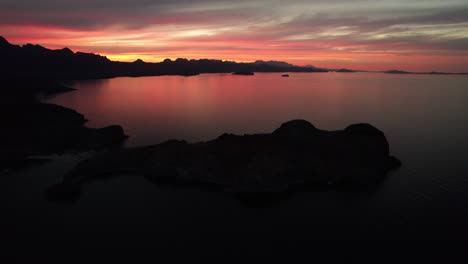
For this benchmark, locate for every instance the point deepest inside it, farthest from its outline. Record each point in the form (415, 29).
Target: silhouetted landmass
(187, 74)
(253, 167)
(31, 128)
(34, 61)
(432, 73)
(280, 64)
(27, 90)
(448, 73)
(243, 73)
(30, 71)
(397, 72)
(345, 70)
(285, 75)
(313, 67)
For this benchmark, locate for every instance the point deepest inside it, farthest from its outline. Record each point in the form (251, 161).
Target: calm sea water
(424, 118)
(410, 109)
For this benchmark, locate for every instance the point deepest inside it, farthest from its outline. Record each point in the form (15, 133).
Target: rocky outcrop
(38, 128)
(295, 156)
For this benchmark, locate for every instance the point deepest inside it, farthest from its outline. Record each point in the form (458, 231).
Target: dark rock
(370, 139)
(256, 168)
(274, 63)
(285, 75)
(345, 70)
(397, 72)
(65, 52)
(243, 73)
(394, 163)
(96, 138)
(4, 42)
(297, 129)
(41, 129)
(187, 74)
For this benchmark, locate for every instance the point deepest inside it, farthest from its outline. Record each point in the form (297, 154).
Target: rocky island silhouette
(255, 168)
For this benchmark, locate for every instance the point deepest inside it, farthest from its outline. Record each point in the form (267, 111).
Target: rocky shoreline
(35, 128)
(254, 168)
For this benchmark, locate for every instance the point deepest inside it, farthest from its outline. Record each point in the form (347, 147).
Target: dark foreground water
(423, 116)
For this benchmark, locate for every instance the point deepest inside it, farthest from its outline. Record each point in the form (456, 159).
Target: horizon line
(390, 71)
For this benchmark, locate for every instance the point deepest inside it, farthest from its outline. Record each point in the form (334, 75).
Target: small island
(243, 73)
(345, 70)
(397, 72)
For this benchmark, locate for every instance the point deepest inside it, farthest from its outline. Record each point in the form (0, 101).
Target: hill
(37, 62)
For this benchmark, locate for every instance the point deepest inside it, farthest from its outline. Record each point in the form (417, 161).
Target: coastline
(258, 168)
(36, 128)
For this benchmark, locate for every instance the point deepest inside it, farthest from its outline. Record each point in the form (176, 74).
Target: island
(259, 167)
(430, 73)
(345, 70)
(397, 72)
(243, 73)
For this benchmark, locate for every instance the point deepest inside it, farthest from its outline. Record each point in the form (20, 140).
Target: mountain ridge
(35, 61)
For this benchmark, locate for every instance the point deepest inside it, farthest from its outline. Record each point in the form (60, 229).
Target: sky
(423, 35)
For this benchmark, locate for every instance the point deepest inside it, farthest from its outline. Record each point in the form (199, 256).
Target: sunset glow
(378, 35)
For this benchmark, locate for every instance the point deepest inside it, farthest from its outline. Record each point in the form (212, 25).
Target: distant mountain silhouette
(433, 72)
(35, 61)
(345, 70)
(139, 61)
(275, 63)
(3, 42)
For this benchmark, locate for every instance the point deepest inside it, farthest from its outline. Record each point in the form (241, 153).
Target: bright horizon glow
(379, 35)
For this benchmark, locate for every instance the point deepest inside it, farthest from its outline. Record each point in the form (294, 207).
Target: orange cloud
(248, 31)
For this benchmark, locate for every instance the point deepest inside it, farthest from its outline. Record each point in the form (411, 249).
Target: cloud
(293, 29)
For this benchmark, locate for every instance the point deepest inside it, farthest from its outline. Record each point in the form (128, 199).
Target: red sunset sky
(370, 35)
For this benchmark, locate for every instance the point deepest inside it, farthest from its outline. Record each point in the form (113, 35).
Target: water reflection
(423, 116)
(153, 109)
